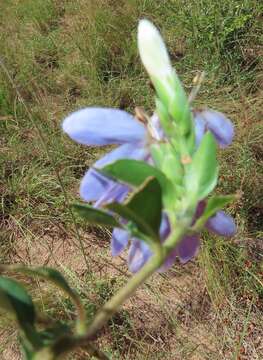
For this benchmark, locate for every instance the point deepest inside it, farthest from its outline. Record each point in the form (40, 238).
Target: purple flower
(103, 126)
(220, 223)
(219, 125)
(139, 252)
(185, 251)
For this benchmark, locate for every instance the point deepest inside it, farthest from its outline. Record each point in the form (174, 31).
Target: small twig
(198, 79)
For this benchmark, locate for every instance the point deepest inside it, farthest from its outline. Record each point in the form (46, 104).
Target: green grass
(62, 55)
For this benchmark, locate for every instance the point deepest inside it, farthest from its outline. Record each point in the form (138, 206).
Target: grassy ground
(60, 55)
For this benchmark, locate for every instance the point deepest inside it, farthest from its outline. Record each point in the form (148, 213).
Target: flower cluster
(103, 126)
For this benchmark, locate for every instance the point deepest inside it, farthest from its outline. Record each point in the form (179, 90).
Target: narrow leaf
(15, 299)
(50, 335)
(134, 172)
(95, 216)
(56, 278)
(52, 275)
(202, 172)
(144, 208)
(28, 352)
(45, 272)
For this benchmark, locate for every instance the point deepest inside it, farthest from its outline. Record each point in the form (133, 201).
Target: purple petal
(115, 192)
(93, 184)
(222, 224)
(138, 254)
(220, 126)
(155, 128)
(199, 128)
(169, 261)
(199, 210)
(119, 241)
(188, 248)
(103, 126)
(165, 228)
(185, 250)
(126, 151)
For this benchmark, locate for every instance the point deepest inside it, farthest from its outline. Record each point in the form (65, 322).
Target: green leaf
(50, 274)
(44, 353)
(143, 208)
(15, 299)
(45, 272)
(28, 352)
(95, 216)
(50, 335)
(213, 205)
(201, 173)
(133, 172)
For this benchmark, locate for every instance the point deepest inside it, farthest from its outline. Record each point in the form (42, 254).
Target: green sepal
(143, 208)
(214, 204)
(168, 162)
(180, 111)
(202, 171)
(171, 93)
(190, 138)
(167, 124)
(95, 216)
(162, 90)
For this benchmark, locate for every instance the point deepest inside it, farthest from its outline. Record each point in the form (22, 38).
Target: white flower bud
(153, 52)
(168, 87)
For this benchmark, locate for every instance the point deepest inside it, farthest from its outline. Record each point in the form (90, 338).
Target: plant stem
(114, 304)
